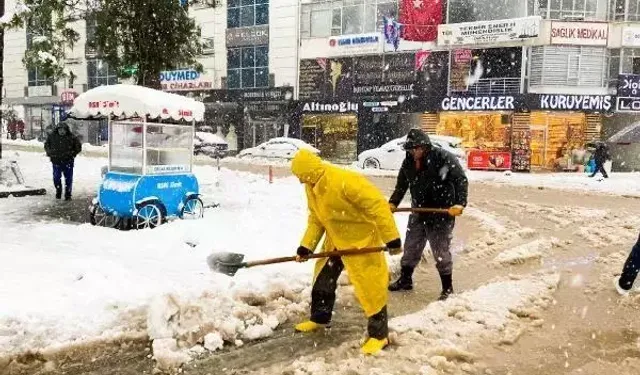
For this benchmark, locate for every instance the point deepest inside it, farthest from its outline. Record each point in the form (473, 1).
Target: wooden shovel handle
(326, 254)
(423, 210)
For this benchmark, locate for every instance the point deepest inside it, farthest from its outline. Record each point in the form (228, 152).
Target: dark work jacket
(440, 183)
(602, 154)
(62, 149)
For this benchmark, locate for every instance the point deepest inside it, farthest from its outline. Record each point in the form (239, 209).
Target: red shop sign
(490, 160)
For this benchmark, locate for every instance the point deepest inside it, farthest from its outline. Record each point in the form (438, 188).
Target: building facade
(530, 81)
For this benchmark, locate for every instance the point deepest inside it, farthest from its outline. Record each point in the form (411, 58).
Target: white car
(391, 154)
(281, 148)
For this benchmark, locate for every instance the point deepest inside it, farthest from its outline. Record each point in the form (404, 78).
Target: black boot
(58, 193)
(404, 282)
(447, 287)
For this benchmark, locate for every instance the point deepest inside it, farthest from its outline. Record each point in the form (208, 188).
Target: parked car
(210, 144)
(281, 148)
(391, 154)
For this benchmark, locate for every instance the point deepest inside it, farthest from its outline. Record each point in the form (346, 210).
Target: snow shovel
(230, 263)
(421, 210)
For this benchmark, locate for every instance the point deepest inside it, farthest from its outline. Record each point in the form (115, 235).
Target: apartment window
(99, 73)
(634, 9)
(248, 67)
(617, 10)
(569, 66)
(593, 10)
(244, 13)
(471, 10)
(322, 19)
(36, 78)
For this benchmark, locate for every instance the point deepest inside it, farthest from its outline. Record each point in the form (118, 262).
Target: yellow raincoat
(352, 213)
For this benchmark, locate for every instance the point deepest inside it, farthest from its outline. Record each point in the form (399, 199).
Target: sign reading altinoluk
(489, 32)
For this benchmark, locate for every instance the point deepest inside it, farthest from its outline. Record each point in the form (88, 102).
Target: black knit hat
(416, 138)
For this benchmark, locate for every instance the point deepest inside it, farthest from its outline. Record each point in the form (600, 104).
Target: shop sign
(478, 103)
(355, 44)
(382, 89)
(628, 99)
(36, 91)
(493, 160)
(580, 33)
(161, 169)
(631, 36)
(183, 80)
(68, 96)
(247, 36)
(489, 32)
(251, 95)
(339, 107)
(560, 102)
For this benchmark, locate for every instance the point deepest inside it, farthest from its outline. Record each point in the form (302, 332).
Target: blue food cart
(149, 177)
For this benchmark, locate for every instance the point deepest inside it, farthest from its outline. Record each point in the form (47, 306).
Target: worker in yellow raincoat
(352, 214)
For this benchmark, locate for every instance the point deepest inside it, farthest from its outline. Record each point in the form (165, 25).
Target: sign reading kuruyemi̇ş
(576, 102)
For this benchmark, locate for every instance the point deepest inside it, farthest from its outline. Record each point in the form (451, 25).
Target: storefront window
(245, 13)
(554, 136)
(248, 67)
(99, 73)
(323, 19)
(488, 131)
(334, 135)
(486, 71)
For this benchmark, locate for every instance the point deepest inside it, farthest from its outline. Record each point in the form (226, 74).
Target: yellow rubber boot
(373, 346)
(309, 326)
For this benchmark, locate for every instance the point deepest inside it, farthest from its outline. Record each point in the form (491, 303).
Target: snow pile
(561, 216)
(533, 250)
(181, 326)
(612, 230)
(253, 160)
(442, 337)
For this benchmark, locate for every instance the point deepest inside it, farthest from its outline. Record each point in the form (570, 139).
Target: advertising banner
(489, 160)
(628, 99)
(489, 32)
(358, 44)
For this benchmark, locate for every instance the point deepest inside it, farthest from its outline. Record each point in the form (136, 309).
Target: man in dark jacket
(62, 147)
(435, 179)
(600, 157)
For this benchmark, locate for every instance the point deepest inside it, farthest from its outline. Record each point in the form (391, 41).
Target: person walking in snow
(600, 157)
(436, 180)
(624, 283)
(62, 147)
(351, 213)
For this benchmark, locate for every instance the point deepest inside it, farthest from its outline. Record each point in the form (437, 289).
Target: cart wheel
(193, 209)
(100, 218)
(148, 216)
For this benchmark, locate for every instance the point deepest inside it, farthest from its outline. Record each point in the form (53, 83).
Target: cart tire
(149, 216)
(193, 209)
(99, 218)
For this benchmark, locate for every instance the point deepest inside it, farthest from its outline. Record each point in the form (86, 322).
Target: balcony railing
(487, 86)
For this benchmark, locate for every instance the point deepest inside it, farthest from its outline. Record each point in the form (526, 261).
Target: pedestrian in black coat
(435, 179)
(600, 157)
(62, 147)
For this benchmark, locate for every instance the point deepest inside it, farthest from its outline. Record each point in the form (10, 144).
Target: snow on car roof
(211, 138)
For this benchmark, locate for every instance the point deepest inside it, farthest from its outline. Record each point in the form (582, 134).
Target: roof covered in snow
(132, 100)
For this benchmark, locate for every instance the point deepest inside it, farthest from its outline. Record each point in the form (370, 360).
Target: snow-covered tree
(141, 37)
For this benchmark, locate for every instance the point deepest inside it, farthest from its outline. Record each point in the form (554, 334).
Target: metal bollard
(270, 174)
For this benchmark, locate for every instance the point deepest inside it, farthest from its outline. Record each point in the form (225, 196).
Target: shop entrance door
(539, 140)
(262, 131)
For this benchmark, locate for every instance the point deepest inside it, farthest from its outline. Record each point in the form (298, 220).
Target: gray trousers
(438, 234)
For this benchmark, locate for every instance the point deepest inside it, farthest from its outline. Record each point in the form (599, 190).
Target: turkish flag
(420, 19)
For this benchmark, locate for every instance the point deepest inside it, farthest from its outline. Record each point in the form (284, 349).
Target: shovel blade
(225, 263)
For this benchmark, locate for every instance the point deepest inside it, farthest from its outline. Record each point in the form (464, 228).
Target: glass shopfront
(335, 135)
(487, 131)
(554, 136)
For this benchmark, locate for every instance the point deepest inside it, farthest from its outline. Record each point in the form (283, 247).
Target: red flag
(420, 19)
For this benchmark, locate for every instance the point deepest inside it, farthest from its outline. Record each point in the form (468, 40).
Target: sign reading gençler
(580, 33)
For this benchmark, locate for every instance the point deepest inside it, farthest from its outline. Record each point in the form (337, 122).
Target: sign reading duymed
(184, 80)
(247, 36)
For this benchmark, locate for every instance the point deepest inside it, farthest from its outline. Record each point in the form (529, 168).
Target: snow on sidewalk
(69, 284)
(442, 337)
